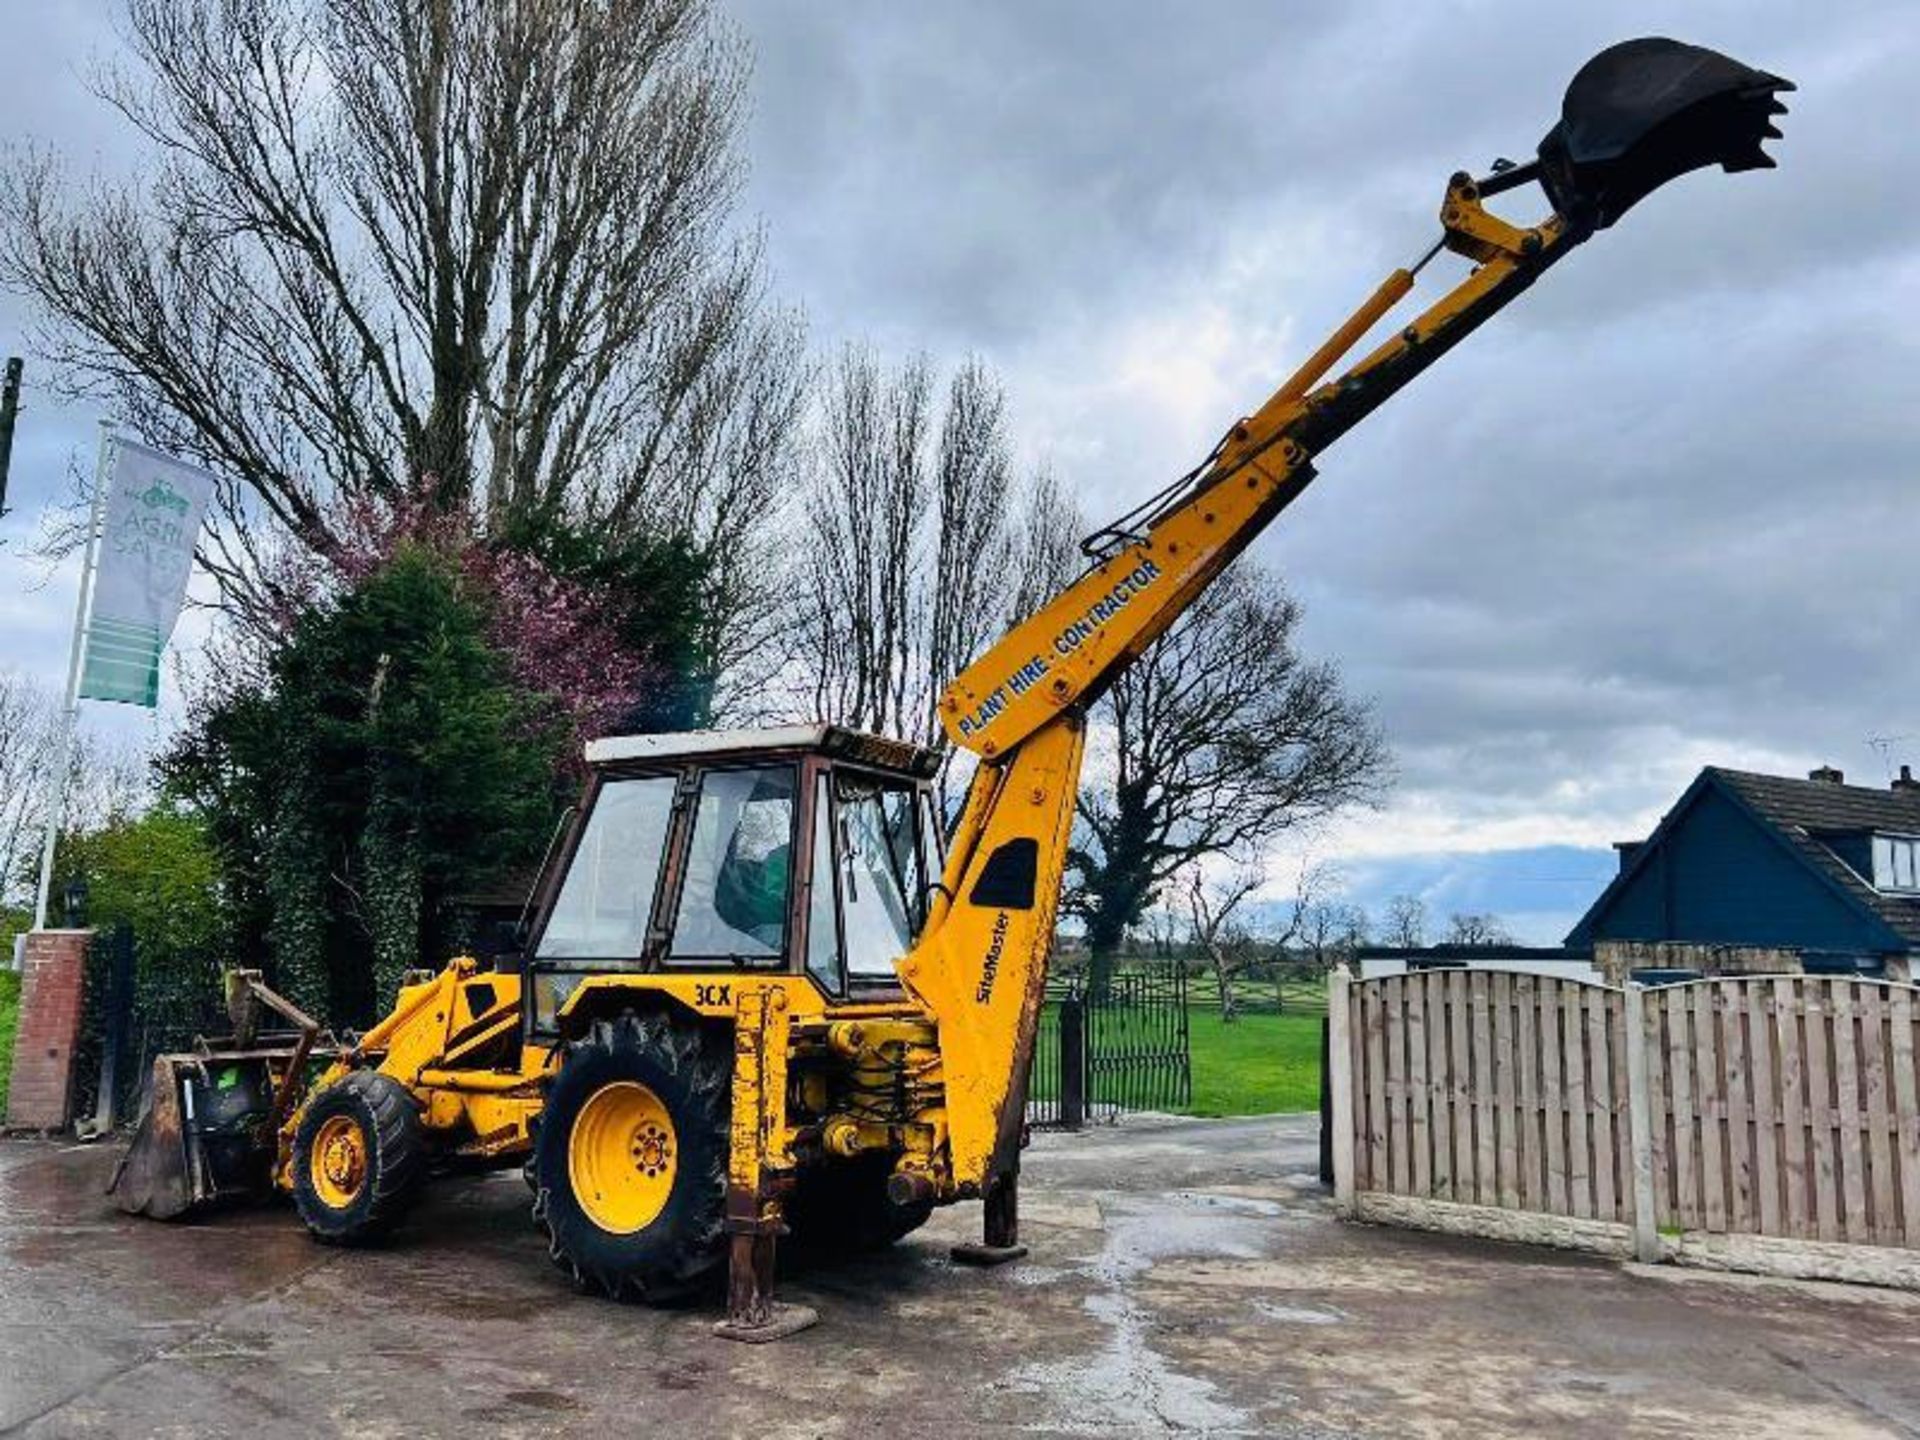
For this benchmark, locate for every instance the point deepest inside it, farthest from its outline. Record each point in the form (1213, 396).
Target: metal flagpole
(71, 716)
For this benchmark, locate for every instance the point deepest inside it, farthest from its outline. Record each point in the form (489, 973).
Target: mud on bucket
(1645, 111)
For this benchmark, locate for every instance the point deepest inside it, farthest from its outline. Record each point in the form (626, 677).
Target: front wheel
(630, 1162)
(359, 1158)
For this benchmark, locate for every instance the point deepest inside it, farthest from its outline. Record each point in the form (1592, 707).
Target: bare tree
(869, 510)
(1223, 738)
(1477, 929)
(29, 743)
(1405, 923)
(974, 542)
(466, 255)
(1046, 546)
(920, 546)
(105, 782)
(1161, 927)
(1329, 932)
(1214, 903)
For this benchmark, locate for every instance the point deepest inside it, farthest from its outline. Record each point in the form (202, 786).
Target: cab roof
(832, 740)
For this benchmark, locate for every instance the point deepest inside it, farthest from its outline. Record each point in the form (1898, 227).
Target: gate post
(119, 1019)
(1326, 1092)
(1646, 1232)
(1073, 1064)
(1340, 1064)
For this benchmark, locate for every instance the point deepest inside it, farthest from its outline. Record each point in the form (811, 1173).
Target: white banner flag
(150, 520)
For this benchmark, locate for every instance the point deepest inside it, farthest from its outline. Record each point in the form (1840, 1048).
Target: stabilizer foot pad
(987, 1255)
(782, 1320)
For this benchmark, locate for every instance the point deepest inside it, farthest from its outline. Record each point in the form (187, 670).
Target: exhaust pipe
(1647, 111)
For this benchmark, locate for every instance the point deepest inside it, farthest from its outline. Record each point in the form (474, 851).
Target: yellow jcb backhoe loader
(759, 994)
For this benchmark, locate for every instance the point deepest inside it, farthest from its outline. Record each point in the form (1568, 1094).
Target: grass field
(1258, 1065)
(1267, 1062)
(9, 1017)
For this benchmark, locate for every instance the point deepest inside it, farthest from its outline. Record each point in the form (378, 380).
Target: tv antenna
(1882, 745)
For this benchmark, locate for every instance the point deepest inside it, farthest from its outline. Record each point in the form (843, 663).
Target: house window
(1896, 863)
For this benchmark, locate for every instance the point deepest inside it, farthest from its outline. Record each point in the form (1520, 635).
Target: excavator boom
(1636, 116)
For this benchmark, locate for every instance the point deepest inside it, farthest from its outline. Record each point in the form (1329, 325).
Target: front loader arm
(1636, 116)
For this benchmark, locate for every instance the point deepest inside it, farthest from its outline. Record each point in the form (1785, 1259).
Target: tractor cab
(805, 849)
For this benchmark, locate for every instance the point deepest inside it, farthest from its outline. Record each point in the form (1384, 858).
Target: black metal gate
(1104, 1049)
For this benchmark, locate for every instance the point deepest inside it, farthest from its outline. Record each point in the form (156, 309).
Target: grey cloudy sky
(1659, 514)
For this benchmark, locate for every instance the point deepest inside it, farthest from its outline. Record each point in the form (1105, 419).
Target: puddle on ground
(1127, 1382)
(1297, 1314)
(1026, 1274)
(1189, 1225)
(550, 1400)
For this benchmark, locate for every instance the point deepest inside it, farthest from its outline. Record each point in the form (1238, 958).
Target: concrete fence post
(1340, 1063)
(1646, 1230)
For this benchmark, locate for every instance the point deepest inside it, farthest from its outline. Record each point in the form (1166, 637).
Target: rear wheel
(359, 1157)
(841, 1207)
(630, 1163)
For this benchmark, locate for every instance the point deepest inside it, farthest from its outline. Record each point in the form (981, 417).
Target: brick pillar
(52, 980)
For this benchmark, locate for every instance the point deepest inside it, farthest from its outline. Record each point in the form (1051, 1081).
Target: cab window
(608, 892)
(823, 916)
(882, 885)
(738, 874)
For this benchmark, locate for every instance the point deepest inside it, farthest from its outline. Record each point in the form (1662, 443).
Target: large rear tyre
(630, 1164)
(359, 1157)
(841, 1207)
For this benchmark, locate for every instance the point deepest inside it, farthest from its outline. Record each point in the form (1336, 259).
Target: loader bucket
(153, 1176)
(211, 1127)
(1646, 111)
(205, 1136)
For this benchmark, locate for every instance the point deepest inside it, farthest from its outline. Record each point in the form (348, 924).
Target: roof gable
(1788, 888)
(1802, 811)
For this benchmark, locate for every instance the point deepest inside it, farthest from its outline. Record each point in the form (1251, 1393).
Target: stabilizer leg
(754, 1221)
(1002, 1226)
(753, 1315)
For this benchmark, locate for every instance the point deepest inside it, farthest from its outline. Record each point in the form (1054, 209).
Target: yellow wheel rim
(338, 1162)
(622, 1157)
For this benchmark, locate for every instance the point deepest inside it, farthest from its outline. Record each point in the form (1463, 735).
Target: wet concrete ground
(1185, 1276)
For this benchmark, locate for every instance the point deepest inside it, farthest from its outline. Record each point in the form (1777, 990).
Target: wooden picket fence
(1780, 1106)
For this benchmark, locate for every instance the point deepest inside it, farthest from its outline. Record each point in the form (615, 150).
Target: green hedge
(9, 1019)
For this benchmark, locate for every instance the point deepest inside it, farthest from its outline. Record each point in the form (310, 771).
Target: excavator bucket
(210, 1129)
(1646, 111)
